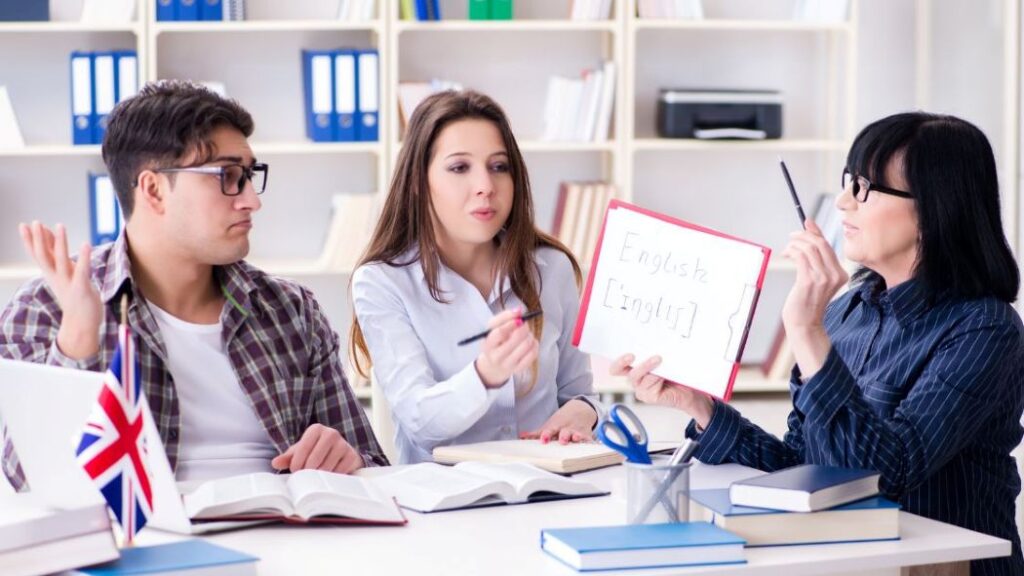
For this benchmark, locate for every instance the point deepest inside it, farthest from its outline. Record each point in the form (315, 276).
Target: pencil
(792, 192)
(475, 337)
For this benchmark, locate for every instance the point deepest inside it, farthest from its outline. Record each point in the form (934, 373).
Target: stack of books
(38, 539)
(579, 214)
(357, 10)
(807, 504)
(580, 109)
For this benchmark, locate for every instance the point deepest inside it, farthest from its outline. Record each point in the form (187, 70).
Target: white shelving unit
(729, 185)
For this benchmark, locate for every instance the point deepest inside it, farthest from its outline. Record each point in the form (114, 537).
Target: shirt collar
(236, 280)
(905, 302)
(446, 275)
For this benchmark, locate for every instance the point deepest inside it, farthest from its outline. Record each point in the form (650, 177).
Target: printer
(711, 114)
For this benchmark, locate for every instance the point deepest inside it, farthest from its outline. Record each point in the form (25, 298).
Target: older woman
(918, 370)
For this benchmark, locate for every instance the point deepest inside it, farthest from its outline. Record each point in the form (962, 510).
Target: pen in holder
(671, 488)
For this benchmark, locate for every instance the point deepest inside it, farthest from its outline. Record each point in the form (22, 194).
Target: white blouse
(433, 389)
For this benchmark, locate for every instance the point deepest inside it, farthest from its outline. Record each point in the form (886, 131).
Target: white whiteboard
(661, 286)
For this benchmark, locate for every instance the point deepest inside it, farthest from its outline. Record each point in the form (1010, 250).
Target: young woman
(456, 251)
(916, 372)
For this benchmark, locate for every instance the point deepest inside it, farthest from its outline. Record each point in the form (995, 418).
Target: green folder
(479, 9)
(501, 9)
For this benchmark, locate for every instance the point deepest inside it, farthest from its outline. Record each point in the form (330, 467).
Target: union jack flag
(113, 446)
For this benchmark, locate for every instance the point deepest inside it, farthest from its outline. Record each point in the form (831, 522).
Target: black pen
(475, 337)
(792, 192)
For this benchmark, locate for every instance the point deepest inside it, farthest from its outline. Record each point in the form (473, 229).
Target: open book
(431, 487)
(554, 457)
(305, 496)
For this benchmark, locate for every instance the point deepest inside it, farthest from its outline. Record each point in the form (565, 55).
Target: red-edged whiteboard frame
(581, 318)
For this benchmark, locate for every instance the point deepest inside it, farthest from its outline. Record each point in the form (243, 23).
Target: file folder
(105, 90)
(346, 91)
(82, 110)
(211, 10)
(501, 9)
(369, 96)
(166, 10)
(104, 210)
(318, 88)
(479, 9)
(188, 10)
(127, 73)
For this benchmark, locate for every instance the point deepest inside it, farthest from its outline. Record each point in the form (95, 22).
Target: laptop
(44, 409)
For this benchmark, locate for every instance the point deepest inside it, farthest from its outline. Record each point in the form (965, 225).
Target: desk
(506, 540)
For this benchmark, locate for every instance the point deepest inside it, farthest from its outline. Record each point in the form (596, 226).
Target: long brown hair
(406, 219)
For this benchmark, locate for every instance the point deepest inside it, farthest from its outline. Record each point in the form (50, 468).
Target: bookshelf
(732, 186)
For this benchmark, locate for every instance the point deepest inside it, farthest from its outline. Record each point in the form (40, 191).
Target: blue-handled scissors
(622, 431)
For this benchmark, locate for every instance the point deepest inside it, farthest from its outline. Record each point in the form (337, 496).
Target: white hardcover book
(571, 102)
(592, 88)
(604, 114)
(345, 9)
(553, 109)
(10, 132)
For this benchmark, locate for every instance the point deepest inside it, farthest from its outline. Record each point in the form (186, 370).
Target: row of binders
(579, 215)
(99, 80)
(199, 10)
(580, 109)
(342, 95)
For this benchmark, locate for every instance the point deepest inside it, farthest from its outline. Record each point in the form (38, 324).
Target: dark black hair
(951, 171)
(165, 122)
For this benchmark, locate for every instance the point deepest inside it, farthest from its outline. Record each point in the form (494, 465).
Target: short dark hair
(951, 171)
(163, 123)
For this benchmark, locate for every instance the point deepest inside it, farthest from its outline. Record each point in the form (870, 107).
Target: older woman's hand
(653, 389)
(819, 275)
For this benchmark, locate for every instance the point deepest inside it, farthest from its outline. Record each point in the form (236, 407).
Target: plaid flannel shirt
(283, 350)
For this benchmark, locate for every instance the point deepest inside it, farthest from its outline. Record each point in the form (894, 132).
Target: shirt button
(173, 434)
(506, 430)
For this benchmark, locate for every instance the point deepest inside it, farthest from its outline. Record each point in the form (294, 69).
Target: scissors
(622, 431)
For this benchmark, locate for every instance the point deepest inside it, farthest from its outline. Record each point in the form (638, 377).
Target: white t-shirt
(220, 432)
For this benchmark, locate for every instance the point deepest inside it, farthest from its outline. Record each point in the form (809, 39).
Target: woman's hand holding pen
(819, 275)
(509, 348)
(653, 389)
(573, 422)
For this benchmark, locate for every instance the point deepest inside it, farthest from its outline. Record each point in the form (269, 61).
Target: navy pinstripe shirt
(929, 395)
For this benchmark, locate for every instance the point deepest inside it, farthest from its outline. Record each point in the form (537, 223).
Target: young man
(241, 369)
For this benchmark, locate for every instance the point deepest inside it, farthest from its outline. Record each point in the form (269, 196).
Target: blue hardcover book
(318, 89)
(346, 95)
(433, 10)
(188, 10)
(83, 111)
(643, 546)
(177, 557)
(166, 10)
(874, 518)
(211, 10)
(368, 81)
(105, 219)
(805, 488)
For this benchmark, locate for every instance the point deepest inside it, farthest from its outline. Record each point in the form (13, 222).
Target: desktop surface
(506, 540)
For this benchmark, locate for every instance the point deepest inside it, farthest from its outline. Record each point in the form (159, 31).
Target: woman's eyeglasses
(862, 187)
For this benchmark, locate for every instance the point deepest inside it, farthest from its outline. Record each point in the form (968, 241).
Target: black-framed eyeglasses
(862, 187)
(232, 176)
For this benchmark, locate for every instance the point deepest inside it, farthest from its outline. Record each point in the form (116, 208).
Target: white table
(506, 540)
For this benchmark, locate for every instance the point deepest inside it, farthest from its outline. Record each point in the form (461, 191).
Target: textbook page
(661, 286)
(428, 487)
(527, 480)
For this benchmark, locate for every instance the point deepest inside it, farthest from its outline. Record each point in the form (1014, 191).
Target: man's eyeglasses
(862, 187)
(232, 176)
